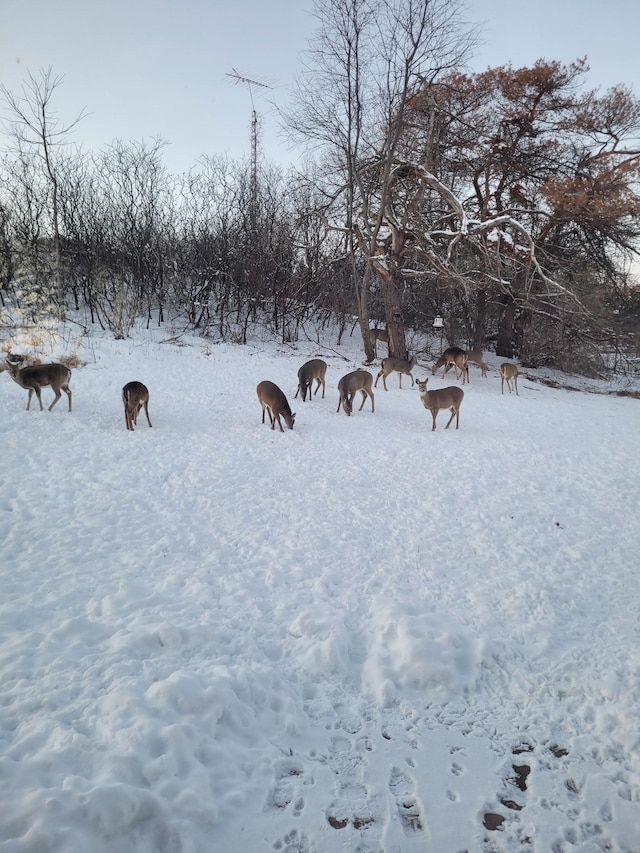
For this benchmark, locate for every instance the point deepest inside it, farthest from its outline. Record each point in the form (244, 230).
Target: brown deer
(314, 369)
(399, 365)
(508, 372)
(442, 398)
(453, 357)
(359, 380)
(135, 395)
(274, 401)
(36, 376)
(376, 335)
(476, 356)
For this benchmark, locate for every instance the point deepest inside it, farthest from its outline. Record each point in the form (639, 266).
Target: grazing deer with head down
(314, 369)
(508, 372)
(453, 357)
(442, 398)
(399, 365)
(135, 395)
(349, 385)
(36, 376)
(476, 356)
(273, 400)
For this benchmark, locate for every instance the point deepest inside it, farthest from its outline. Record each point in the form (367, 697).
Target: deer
(376, 335)
(314, 369)
(475, 356)
(135, 395)
(508, 372)
(33, 377)
(400, 366)
(273, 400)
(442, 398)
(359, 380)
(453, 357)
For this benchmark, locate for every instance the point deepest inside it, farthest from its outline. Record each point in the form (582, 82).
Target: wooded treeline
(506, 202)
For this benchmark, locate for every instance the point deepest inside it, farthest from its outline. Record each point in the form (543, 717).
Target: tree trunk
(392, 285)
(480, 320)
(361, 285)
(506, 342)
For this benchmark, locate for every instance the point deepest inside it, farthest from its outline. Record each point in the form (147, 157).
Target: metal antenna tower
(248, 82)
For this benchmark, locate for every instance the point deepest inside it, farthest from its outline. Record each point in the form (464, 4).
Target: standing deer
(274, 401)
(36, 376)
(314, 369)
(359, 380)
(508, 372)
(443, 398)
(453, 357)
(376, 335)
(399, 365)
(135, 395)
(476, 356)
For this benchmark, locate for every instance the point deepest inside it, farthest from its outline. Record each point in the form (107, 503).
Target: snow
(359, 635)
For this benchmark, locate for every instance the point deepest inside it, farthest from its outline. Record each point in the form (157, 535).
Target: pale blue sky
(146, 68)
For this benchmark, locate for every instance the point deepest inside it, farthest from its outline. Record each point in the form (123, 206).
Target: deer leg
(56, 391)
(453, 414)
(146, 411)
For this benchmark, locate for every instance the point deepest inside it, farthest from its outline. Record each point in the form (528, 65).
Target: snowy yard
(359, 635)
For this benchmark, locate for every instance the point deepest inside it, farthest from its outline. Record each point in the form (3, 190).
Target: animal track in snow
(409, 808)
(285, 789)
(352, 805)
(405, 733)
(294, 842)
(575, 826)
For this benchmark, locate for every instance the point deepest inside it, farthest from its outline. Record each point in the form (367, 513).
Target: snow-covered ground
(359, 635)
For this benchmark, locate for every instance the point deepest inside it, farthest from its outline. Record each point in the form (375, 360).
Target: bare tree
(367, 59)
(35, 126)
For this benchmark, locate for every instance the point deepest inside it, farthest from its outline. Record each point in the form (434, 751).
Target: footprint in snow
(288, 776)
(409, 809)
